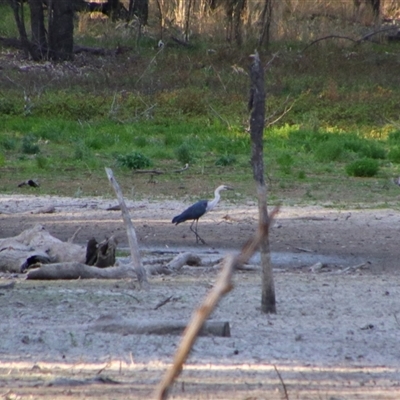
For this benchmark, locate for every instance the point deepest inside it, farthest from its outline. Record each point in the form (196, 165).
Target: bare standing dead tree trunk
(136, 261)
(257, 118)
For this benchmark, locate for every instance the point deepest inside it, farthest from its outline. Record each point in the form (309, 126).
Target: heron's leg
(198, 238)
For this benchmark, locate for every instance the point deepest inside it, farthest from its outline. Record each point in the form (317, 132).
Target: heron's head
(224, 187)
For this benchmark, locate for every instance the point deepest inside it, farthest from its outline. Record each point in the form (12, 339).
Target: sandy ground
(335, 335)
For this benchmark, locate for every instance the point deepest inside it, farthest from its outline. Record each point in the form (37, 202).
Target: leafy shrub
(184, 153)
(365, 148)
(285, 162)
(29, 145)
(226, 160)
(394, 155)
(365, 167)
(374, 150)
(328, 151)
(133, 160)
(8, 143)
(394, 136)
(8, 107)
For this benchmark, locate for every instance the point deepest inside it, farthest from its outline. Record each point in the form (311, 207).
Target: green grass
(183, 106)
(296, 172)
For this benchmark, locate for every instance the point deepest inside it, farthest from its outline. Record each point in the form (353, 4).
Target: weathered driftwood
(16, 260)
(112, 324)
(222, 286)
(175, 264)
(33, 245)
(130, 230)
(81, 382)
(43, 210)
(75, 270)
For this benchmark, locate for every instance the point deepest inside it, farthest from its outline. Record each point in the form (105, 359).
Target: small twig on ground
(354, 267)
(282, 383)
(162, 303)
(131, 296)
(303, 249)
(104, 368)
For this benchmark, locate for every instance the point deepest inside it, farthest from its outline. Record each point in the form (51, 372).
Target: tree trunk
(266, 17)
(61, 30)
(18, 10)
(161, 11)
(376, 8)
(39, 40)
(140, 8)
(257, 118)
(238, 10)
(113, 7)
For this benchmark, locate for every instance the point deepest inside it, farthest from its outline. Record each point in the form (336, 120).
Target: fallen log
(112, 324)
(175, 264)
(43, 210)
(76, 270)
(34, 245)
(14, 259)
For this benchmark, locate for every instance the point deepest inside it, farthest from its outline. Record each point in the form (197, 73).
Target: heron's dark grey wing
(193, 212)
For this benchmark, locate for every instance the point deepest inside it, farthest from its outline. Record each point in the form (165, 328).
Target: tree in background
(54, 43)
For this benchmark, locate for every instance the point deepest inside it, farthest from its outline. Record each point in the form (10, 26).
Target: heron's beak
(229, 188)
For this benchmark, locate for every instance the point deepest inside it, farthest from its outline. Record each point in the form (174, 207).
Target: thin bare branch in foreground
(221, 287)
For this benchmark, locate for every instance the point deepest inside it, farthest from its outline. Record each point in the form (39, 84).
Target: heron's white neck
(211, 204)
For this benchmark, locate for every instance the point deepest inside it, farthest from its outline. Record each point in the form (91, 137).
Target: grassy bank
(332, 115)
